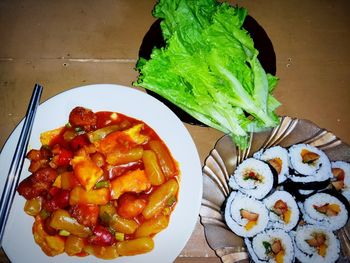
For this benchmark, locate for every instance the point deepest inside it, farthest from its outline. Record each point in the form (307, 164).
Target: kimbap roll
(283, 210)
(253, 177)
(341, 178)
(272, 245)
(278, 158)
(245, 215)
(308, 164)
(323, 209)
(314, 244)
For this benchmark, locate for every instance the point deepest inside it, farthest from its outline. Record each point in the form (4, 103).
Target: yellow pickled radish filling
(276, 251)
(322, 249)
(251, 217)
(276, 163)
(334, 207)
(250, 225)
(287, 216)
(328, 209)
(279, 257)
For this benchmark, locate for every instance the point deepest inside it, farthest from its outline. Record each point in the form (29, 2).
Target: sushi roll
(272, 245)
(341, 178)
(309, 165)
(316, 244)
(253, 177)
(283, 210)
(323, 209)
(278, 158)
(245, 215)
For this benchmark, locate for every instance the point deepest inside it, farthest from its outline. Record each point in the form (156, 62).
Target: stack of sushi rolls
(289, 202)
(271, 245)
(253, 177)
(283, 210)
(315, 244)
(278, 158)
(326, 210)
(341, 178)
(245, 215)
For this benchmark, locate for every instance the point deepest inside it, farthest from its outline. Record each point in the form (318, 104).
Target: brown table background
(64, 44)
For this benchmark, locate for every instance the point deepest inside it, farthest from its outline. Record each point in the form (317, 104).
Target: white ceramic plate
(18, 241)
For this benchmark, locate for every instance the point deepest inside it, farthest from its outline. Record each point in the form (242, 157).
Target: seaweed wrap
(253, 177)
(272, 245)
(278, 158)
(245, 215)
(309, 166)
(326, 210)
(283, 210)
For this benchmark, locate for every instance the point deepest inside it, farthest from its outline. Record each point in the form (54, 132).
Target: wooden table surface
(64, 44)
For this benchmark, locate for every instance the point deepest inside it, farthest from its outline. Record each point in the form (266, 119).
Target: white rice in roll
(324, 210)
(269, 244)
(276, 155)
(314, 244)
(306, 192)
(252, 177)
(283, 210)
(236, 204)
(308, 171)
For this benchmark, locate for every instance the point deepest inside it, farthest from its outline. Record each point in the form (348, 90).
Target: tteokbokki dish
(104, 185)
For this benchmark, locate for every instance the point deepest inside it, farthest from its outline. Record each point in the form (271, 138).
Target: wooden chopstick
(12, 180)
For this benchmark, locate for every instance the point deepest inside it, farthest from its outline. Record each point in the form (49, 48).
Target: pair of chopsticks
(12, 180)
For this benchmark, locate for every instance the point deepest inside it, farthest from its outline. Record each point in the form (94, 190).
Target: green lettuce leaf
(209, 68)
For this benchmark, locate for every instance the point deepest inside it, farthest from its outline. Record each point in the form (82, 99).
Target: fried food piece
(82, 117)
(38, 183)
